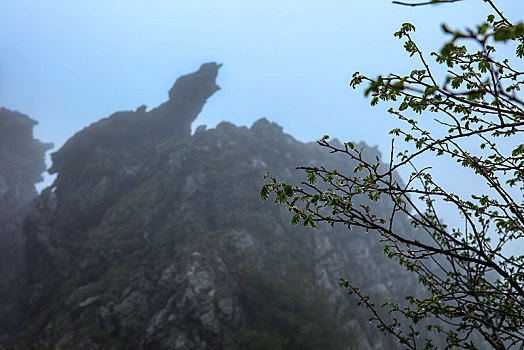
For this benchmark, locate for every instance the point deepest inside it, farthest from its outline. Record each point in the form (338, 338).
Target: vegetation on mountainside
(281, 316)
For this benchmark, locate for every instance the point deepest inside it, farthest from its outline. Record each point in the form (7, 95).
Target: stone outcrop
(131, 131)
(21, 160)
(152, 238)
(21, 166)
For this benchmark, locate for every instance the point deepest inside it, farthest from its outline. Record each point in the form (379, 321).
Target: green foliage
(475, 287)
(280, 316)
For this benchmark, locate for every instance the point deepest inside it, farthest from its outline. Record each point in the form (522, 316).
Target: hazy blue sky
(70, 63)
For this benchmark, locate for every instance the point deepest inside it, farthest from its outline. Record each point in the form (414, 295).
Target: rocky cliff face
(152, 238)
(21, 160)
(21, 166)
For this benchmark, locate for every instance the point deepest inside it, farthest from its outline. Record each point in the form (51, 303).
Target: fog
(68, 64)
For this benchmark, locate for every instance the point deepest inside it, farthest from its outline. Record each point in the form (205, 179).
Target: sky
(69, 63)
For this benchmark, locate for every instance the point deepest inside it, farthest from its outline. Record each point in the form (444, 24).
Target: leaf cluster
(475, 287)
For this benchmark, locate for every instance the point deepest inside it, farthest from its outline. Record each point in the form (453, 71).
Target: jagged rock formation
(21, 166)
(21, 160)
(124, 137)
(152, 238)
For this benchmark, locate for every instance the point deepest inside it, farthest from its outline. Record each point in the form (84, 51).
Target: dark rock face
(21, 166)
(104, 159)
(125, 133)
(21, 160)
(160, 241)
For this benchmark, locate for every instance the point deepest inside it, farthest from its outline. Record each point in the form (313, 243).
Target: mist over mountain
(155, 238)
(21, 166)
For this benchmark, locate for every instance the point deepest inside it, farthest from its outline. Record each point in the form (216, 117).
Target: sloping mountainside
(153, 238)
(21, 166)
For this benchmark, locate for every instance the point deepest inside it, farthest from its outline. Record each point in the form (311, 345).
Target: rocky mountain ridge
(21, 166)
(153, 238)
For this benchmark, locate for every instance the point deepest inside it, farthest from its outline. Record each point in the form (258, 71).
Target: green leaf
(456, 82)
(356, 80)
(410, 47)
(295, 219)
(430, 90)
(311, 178)
(447, 49)
(520, 50)
(483, 66)
(517, 151)
(264, 192)
(408, 27)
(308, 221)
(503, 34)
(288, 190)
(350, 145)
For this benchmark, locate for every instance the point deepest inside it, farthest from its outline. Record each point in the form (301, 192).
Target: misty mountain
(21, 166)
(155, 238)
